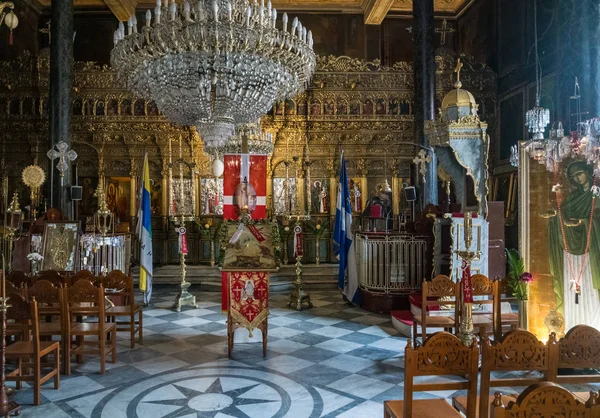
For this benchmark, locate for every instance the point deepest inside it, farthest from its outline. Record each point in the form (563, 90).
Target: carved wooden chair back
(442, 354)
(119, 284)
(17, 278)
(85, 299)
(86, 275)
(440, 291)
(544, 399)
(53, 277)
(483, 286)
(517, 350)
(578, 349)
(48, 296)
(18, 317)
(12, 288)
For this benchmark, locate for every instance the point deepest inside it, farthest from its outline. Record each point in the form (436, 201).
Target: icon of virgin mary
(574, 249)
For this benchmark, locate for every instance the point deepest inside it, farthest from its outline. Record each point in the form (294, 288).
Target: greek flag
(343, 239)
(144, 233)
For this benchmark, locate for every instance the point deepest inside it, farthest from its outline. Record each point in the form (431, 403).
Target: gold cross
(457, 69)
(47, 31)
(444, 30)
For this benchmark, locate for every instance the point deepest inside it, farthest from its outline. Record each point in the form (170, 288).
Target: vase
(523, 308)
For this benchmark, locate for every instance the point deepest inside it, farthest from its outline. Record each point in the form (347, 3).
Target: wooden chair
(483, 286)
(53, 277)
(29, 353)
(443, 354)
(439, 287)
(545, 399)
(118, 285)
(578, 349)
(83, 299)
(518, 350)
(51, 308)
(17, 278)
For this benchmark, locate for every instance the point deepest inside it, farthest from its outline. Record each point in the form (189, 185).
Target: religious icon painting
(380, 107)
(139, 108)
(319, 192)
(100, 108)
(315, 107)
(284, 195)
(60, 246)
(126, 107)
(211, 196)
(342, 107)
(355, 107)
(329, 108)
(368, 107)
(152, 109)
(302, 107)
(290, 107)
(113, 108)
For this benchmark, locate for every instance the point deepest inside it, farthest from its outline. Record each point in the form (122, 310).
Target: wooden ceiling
(374, 10)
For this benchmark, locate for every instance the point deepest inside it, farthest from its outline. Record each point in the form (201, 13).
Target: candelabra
(466, 302)
(13, 224)
(179, 215)
(184, 297)
(298, 295)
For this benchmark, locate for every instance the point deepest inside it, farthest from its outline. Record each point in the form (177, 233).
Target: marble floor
(333, 360)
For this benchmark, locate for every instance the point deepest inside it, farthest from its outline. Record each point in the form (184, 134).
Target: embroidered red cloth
(248, 298)
(467, 286)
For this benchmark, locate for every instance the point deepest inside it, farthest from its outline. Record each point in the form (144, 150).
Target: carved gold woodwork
(360, 106)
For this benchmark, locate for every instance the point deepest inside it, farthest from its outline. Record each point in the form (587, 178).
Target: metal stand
(298, 295)
(7, 407)
(184, 297)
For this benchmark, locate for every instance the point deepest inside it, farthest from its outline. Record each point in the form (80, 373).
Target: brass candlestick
(184, 297)
(298, 295)
(466, 309)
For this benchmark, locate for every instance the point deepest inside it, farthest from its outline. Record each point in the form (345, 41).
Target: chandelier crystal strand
(537, 118)
(259, 142)
(215, 65)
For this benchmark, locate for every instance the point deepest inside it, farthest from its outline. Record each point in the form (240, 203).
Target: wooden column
(364, 189)
(270, 208)
(333, 185)
(133, 198)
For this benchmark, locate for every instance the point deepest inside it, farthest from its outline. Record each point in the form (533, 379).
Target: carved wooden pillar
(362, 169)
(333, 185)
(270, 207)
(396, 185)
(300, 188)
(133, 190)
(164, 189)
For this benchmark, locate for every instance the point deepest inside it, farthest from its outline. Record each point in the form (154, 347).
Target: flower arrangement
(518, 279)
(37, 257)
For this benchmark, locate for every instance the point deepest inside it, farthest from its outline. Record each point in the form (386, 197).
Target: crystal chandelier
(216, 64)
(259, 142)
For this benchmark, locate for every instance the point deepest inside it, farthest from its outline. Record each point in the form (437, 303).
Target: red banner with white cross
(238, 167)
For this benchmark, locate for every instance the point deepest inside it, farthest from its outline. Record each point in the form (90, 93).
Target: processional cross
(421, 160)
(64, 154)
(47, 31)
(443, 31)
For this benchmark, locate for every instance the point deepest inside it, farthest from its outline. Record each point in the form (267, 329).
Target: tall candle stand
(466, 309)
(184, 297)
(7, 407)
(298, 295)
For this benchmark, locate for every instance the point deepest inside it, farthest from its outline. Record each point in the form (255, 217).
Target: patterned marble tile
(333, 360)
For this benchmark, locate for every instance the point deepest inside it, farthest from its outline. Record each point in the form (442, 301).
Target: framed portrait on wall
(60, 243)
(504, 188)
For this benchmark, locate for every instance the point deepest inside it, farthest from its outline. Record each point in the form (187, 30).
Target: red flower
(526, 278)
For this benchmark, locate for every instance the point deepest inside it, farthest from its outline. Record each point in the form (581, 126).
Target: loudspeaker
(410, 194)
(76, 192)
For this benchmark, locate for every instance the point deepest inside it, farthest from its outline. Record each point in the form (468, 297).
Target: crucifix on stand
(443, 31)
(421, 160)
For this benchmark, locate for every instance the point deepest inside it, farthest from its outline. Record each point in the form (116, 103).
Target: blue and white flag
(144, 233)
(344, 240)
